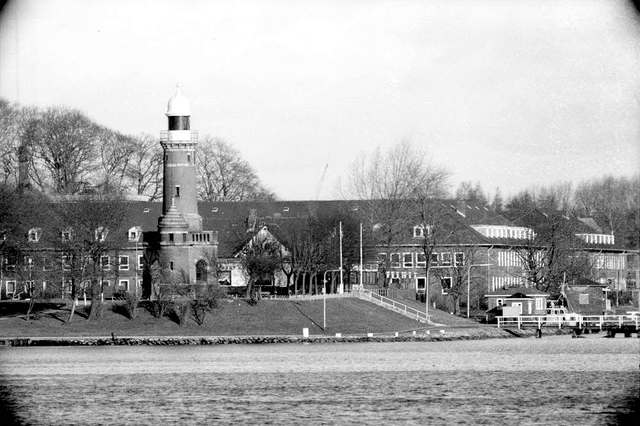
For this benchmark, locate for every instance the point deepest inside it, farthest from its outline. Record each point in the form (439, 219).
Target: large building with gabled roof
(200, 242)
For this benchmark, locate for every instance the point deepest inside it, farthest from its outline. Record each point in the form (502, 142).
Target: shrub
(131, 305)
(206, 300)
(180, 312)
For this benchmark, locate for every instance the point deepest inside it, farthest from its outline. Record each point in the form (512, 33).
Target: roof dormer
(34, 234)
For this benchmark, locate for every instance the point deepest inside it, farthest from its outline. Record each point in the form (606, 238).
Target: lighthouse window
(177, 191)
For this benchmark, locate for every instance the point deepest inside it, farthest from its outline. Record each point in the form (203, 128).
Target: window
(65, 235)
(123, 263)
(421, 231)
(446, 259)
(177, 191)
(189, 158)
(583, 298)
(407, 260)
(135, 233)
(171, 265)
(184, 238)
(395, 260)
(34, 235)
(459, 259)
(445, 282)
(499, 302)
(224, 277)
(46, 264)
(434, 259)
(11, 287)
(101, 233)
(395, 282)
(140, 261)
(171, 237)
(539, 303)
(421, 260)
(124, 284)
(104, 263)
(105, 283)
(382, 258)
(420, 284)
(66, 262)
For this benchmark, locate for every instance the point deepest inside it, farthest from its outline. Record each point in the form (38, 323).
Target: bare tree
(63, 144)
(13, 122)
(395, 187)
(551, 252)
(260, 258)
(225, 176)
(145, 167)
(88, 230)
(117, 152)
(455, 279)
(609, 200)
(470, 192)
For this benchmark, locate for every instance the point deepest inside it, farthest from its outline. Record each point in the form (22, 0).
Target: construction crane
(321, 181)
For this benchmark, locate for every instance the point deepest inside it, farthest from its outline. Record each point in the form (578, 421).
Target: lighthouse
(185, 248)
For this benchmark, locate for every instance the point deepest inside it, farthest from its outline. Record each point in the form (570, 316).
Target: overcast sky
(507, 93)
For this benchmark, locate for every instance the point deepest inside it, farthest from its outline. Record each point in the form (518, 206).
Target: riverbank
(419, 336)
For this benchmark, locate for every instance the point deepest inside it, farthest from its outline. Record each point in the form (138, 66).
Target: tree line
(613, 202)
(61, 151)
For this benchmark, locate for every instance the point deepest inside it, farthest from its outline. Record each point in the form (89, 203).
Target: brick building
(200, 242)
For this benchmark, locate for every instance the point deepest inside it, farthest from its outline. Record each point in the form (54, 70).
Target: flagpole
(341, 282)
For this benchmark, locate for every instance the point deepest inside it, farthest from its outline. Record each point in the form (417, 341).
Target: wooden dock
(610, 323)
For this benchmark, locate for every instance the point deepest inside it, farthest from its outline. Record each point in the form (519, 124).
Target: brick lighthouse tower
(185, 248)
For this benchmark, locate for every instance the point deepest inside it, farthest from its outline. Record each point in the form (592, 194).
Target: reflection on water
(552, 380)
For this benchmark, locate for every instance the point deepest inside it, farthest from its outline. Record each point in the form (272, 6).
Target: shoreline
(114, 340)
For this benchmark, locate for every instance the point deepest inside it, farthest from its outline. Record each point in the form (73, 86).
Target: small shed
(586, 297)
(518, 301)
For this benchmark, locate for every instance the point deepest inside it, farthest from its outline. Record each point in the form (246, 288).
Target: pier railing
(569, 320)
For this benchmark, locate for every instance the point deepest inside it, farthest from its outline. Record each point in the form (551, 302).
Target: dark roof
(511, 291)
(585, 282)
(283, 218)
(536, 218)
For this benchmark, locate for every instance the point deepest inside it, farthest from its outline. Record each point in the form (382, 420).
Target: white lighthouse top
(178, 105)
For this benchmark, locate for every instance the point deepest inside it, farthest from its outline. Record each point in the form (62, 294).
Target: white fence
(391, 304)
(575, 320)
(367, 295)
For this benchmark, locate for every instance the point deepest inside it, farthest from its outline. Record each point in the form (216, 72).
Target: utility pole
(361, 266)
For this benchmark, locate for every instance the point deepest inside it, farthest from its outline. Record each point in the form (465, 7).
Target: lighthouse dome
(178, 105)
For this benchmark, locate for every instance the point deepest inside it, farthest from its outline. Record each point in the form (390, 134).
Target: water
(554, 380)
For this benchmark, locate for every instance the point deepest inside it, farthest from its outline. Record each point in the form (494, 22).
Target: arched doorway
(201, 271)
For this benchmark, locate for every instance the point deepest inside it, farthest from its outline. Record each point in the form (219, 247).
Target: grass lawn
(232, 317)
(440, 317)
